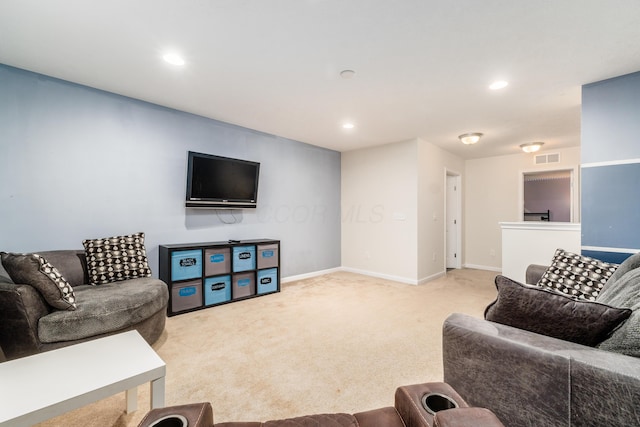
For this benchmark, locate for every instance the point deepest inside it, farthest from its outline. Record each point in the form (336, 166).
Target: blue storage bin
(267, 280)
(186, 264)
(244, 258)
(217, 290)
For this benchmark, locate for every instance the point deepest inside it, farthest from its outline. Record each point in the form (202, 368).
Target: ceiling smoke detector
(347, 74)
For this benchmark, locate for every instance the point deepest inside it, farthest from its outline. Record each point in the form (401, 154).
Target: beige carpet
(336, 343)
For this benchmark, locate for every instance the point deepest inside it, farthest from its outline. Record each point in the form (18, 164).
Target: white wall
(492, 188)
(542, 239)
(433, 162)
(379, 211)
(390, 195)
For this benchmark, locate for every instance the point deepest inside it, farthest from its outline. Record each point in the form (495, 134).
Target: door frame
(457, 214)
(574, 203)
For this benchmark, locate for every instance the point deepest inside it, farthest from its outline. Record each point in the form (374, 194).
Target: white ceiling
(422, 66)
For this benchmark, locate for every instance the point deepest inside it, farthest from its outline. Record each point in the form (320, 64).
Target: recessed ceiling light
(348, 125)
(500, 84)
(173, 59)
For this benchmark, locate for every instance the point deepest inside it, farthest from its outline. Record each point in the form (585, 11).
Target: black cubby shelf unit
(203, 275)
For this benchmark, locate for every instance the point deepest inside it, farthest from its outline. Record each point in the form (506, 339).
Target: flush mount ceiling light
(531, 147)
(470, 138)
(173, 59)
(500, 84)
(348, 125)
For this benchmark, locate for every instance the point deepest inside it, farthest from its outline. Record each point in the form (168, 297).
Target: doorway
(453, 220)
(547, 196)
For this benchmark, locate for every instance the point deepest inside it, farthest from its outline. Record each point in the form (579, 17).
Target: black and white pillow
(116, 258)
(34, 270)
(576, 275)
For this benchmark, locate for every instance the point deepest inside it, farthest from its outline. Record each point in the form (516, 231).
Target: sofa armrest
(534, 273)
(605, 388)
(196, 415)
(521, 376)
(531, 379)
(466, 417)
(21, 307)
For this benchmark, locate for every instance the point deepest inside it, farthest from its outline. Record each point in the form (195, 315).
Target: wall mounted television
(221, 182)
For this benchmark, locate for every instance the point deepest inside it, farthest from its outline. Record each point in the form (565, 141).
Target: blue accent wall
(612, 257)
(610, 122)
(77, 163)
(611, 206)
(610, 156)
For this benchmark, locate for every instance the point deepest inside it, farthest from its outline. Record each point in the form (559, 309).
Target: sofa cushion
(577, 275)
(631, 263)
(4, 275)
(117, 258)
(105, 308)
(317, 420)
(546, 312)
(36, 271)
(71, 263)
(624, 292)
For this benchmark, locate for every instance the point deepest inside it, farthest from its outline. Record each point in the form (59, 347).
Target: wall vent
(542, 159)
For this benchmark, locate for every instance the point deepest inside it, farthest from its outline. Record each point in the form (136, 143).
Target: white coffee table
(39, 387)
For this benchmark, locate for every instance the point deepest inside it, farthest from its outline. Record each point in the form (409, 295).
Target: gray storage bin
(267, 256)
(217, 261)
(244, 285)
(185, 296)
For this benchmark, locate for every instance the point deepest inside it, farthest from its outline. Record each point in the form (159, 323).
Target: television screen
(215, 181)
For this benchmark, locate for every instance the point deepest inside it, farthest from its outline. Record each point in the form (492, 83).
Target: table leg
(157, 393)
(132, 399)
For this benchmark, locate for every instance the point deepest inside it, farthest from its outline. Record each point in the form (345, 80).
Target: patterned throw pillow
(116, 258)
(577, 276)
(34, 270)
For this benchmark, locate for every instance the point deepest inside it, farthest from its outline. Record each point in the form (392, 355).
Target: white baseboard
(431, 278)
(380, 275)
(309, 275)
(483, 267)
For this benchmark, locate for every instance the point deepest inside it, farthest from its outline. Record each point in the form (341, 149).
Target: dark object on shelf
(538, 216)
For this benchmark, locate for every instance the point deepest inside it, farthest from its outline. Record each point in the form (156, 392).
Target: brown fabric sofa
(29, 325)
(407, 412)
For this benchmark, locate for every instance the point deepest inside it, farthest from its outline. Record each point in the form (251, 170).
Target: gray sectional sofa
(30, 324)
(531, 379)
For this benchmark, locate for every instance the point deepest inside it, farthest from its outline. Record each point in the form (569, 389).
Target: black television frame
(218, 202)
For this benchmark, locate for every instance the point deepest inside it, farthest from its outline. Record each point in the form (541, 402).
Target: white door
(452, 225)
